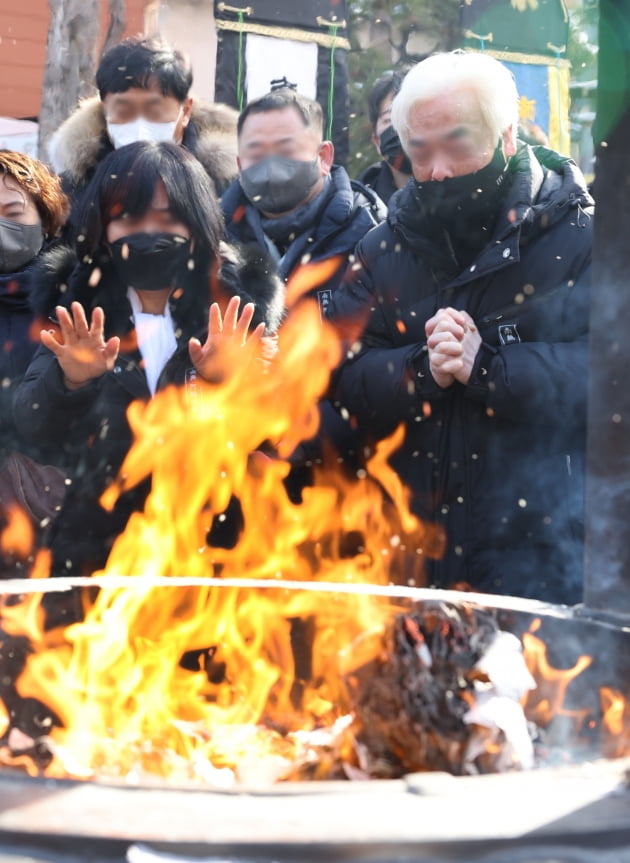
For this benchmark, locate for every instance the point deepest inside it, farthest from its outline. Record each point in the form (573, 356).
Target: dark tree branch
(117, 23)
(70, 62)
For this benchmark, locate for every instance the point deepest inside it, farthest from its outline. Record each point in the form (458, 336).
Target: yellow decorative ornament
(526, 108)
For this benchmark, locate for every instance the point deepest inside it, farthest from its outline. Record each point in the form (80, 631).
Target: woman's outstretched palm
(228, 340)
(82, 353)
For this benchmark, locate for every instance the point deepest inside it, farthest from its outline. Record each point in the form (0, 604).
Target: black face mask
(19, 244)
(392, 151)
(472, 196)
(278, 184)
(151, 262)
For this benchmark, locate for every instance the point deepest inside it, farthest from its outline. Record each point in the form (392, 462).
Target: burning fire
(16, 540)
(616, 720)
(548, 699)
(223, 684)
(201, 678)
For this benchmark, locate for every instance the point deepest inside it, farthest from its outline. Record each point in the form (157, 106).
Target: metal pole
(607, 553)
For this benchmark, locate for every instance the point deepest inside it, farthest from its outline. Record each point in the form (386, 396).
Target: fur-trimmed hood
(59, 278)
(81, 141)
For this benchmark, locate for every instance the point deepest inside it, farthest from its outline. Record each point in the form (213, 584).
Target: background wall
(23, 36)
(189, 24)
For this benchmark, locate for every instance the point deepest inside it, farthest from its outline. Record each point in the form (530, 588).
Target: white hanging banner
(268, 58)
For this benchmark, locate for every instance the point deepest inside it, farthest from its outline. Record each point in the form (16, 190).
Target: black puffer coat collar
(81, 141)
(543, 187)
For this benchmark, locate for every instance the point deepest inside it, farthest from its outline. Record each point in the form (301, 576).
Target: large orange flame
(548, 699)
(151, 678)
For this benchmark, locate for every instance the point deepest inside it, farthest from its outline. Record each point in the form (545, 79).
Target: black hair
(389, 82)
(140, 62)
(124, 183)
(285, 97)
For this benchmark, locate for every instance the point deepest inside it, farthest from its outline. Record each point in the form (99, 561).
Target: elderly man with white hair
(471, 305)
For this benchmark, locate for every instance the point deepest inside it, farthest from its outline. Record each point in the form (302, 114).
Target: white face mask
(140, 130)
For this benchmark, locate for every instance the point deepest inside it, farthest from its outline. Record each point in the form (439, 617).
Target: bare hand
(83, 353)
(471, 344)
(453, 342)
(444, 331)
(268, 350)
(228, 341)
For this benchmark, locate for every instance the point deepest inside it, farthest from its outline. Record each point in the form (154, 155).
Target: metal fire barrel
(572, 812)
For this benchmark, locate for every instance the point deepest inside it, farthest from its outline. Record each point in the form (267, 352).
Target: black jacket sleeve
(44, 410)
(540, 382)
(380, 382)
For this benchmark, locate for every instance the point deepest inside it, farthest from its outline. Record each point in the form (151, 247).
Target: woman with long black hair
(142, 304)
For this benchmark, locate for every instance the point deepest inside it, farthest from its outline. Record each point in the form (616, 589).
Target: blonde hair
(490, 80)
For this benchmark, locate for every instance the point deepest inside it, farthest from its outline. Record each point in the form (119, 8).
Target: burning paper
(498, 706)
(443, 692)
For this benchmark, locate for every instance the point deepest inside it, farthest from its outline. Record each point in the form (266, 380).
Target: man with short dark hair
(292, 201)
(474, 304)
(290, 198)
(144, 94)
(394, 169)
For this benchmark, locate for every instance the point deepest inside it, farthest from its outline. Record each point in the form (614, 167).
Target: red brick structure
(23, 36)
